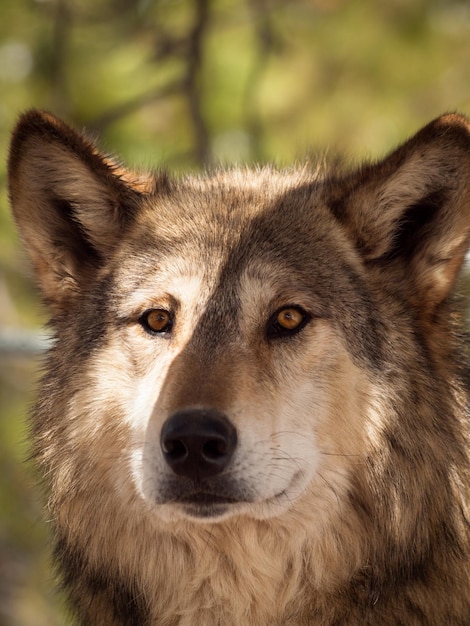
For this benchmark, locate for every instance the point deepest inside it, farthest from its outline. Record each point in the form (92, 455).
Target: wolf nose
(198, 443)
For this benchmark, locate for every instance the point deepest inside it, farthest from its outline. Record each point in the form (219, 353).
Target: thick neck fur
(242, 571)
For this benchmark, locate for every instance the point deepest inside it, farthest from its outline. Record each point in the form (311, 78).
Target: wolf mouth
(225, 495)
(202, 504)
(203, 498)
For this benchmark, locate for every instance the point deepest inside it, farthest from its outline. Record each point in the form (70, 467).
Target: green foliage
(187, 84)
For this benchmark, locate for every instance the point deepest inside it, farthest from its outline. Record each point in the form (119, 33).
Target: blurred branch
(59, 56)
(167, 46)
(189, 49)
(267, 43)
(192, 82)
(15, 342)
(126, 108)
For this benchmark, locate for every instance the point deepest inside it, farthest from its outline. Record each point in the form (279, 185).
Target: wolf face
(251, 354)
(224, 412)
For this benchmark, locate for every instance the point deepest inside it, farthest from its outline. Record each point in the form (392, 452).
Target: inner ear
(414, 226)
(74, 238)
(72, 204)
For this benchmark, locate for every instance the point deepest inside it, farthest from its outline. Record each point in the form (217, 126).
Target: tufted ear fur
(411, 212)
(70, 202)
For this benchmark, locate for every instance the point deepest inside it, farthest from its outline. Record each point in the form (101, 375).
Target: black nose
(198, 443)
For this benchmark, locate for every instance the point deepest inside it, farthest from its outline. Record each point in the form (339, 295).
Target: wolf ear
(413, 209)
(71, 203)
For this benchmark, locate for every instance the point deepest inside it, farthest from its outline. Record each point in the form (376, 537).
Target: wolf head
(224, 342)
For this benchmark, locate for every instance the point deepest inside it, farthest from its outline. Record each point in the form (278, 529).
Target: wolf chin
(254, 411)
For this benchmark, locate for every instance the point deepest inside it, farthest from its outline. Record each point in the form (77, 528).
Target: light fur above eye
(156, 321)
(287, 321)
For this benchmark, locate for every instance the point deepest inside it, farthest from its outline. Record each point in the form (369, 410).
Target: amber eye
(157, 321)
(287, 321)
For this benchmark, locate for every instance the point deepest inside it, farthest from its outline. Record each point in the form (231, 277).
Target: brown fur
(346, 500)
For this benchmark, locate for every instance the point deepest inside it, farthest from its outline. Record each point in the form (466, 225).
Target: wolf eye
(287, 321)
(157, 321)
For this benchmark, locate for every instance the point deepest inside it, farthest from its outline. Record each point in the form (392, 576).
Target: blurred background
(188, 84)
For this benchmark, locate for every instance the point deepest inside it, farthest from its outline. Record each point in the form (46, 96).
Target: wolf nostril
(198, 443)
(174, 449)
(214, 449)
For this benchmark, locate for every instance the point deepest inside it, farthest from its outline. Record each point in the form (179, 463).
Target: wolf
(255, 408)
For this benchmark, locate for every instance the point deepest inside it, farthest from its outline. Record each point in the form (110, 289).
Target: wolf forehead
(274, 228)
(218, 208)
(236, 219)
